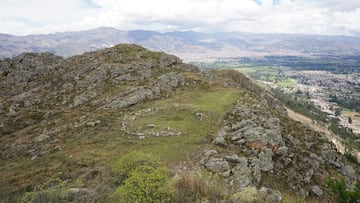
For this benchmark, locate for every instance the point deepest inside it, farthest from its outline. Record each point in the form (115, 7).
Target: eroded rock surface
(262, 147)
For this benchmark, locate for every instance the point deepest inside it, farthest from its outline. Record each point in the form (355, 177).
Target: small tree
(350, 120)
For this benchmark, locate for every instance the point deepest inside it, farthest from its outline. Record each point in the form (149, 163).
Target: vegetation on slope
(102, 106)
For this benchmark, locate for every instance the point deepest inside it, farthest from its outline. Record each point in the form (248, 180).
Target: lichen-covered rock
(251, 194)
(169, 60)
(135, 97)
(282, 151)
(234, 158)
(82, 98)
(243, 123)
(349, 172)
(209, 152)
(217, 165)
(265, 160)
(171, 80)
(316, 190)
(269, 195)
(248, 194)
(219, 139)
(274, 137)
(330, 155)
(242, 175)
(41, 138)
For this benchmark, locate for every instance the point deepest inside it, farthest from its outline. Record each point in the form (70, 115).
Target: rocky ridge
(47, 101)
(253, 148)
(45, 84)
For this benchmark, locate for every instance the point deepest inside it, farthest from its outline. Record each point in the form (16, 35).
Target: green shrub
(141, 178)
(128, 163)
(145, 184)
(344, 194)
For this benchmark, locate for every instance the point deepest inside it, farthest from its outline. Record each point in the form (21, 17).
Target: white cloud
(285, 16)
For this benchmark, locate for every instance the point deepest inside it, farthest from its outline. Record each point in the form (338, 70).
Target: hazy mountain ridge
(189, 45)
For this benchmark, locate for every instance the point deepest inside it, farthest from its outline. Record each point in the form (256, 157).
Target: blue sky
(324, 17)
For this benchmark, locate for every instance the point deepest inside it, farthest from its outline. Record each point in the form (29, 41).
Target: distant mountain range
(189, 45)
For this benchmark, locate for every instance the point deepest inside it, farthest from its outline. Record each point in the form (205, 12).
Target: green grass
(87, 149)
(108, 143)
(215, 101)
(179, 114)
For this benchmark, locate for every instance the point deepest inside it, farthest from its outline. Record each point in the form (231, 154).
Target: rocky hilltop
(65, 122)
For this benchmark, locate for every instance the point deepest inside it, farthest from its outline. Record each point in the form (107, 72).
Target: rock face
(171, 80)
(217, 165)
(113, 78)
(264, 147)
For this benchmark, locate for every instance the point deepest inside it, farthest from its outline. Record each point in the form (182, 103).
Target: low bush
(145, 184)
(342, 192)
(128, 163)
(142, 178)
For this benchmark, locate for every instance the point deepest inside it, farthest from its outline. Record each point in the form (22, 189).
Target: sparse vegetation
(342, 192)
(193, 188)
(54, 190)
(248, 195)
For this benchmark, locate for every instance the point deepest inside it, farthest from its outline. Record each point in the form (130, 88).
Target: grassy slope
(89, 152)
(175, 148)
(93, 150)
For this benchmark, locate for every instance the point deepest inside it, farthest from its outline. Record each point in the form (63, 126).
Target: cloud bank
(323, 17)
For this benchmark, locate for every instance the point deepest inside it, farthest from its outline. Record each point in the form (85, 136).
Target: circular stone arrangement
(150, 129)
